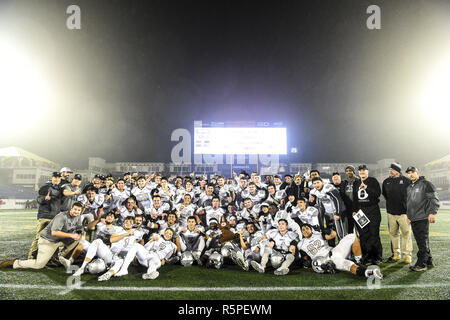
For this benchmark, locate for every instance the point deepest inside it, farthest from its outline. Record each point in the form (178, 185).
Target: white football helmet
(317, 264)
(96, 266)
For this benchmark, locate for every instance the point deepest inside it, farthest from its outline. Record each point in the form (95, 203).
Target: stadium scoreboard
(239, 137)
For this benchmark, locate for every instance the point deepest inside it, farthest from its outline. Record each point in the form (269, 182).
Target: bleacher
(10, 191)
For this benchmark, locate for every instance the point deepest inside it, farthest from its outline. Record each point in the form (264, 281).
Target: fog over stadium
(137, 70)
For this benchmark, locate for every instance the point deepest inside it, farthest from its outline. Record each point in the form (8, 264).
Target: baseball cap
(411, 168)
(363, 167)
(77, 176)
(396, 166)
(66, 169)
(336, 173)
(264, 204)
(56, 174)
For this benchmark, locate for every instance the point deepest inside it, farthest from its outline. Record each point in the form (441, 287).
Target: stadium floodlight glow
(22, 90)
(436, 97)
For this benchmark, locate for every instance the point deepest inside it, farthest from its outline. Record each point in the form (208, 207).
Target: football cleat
(150, 276)
(66, 263)
(105, 277)
(281, 271)
(79, 272)
(7, 264)
(407, 260)
(196, 256)
(418, 268)
(121, 273)
(257, 267)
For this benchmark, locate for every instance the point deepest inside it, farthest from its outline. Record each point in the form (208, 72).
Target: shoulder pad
(328, 187)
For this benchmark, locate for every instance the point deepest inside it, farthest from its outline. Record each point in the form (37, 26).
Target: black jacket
(394, 191)
(48, 209)
(421, 200)
(366, 198)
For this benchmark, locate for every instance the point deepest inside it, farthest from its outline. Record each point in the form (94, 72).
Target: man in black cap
(366, 196)
(70, 193)
(49, 200)
(394, 191)
(348, 183)
(422, 205)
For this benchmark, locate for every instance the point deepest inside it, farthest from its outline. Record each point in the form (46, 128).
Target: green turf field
(177, 282)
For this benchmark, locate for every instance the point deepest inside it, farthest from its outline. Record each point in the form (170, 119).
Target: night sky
(137, 70)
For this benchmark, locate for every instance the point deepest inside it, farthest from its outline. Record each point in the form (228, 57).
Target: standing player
(331, 208)
(185, 209)
(142, 194)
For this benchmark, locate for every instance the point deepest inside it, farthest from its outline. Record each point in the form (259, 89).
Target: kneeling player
(281, 249)
(192, 242)
(326, 258)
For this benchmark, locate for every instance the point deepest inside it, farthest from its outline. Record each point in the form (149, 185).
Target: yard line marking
(59, 287)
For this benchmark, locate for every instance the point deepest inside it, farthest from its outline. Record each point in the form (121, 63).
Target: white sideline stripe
(50, 287)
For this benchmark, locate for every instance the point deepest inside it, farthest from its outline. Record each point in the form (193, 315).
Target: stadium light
(23, 93)
(436, 97)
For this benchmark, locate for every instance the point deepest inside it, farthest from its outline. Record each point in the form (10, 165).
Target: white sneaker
(121, 273)
(66, 263)
(281, 271)
(150, 276)
(79, 272)
(240, 261)
(105, 277)
(257, 266)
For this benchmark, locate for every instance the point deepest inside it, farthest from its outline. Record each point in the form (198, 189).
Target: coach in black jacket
(366, 196)
(422, 205)
(394, 191)
(49, 200)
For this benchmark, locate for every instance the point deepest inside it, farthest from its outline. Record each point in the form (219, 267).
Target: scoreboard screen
(233, 138)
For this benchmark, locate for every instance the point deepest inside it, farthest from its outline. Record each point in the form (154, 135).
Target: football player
(129, 209)
(331, 208)
(327, 259)
(307, 214)
(123, 244)
(215, 211)
(251, 245)
(98, 248)
(92, 202)
(185, 209)
(192, 242)
(158, 206)
(142, 193)
(155, 253)
(281, 249)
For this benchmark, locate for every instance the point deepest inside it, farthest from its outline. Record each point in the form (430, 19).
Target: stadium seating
(9, 191)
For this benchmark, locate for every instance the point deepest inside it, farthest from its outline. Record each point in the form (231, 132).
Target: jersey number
(314, 247)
